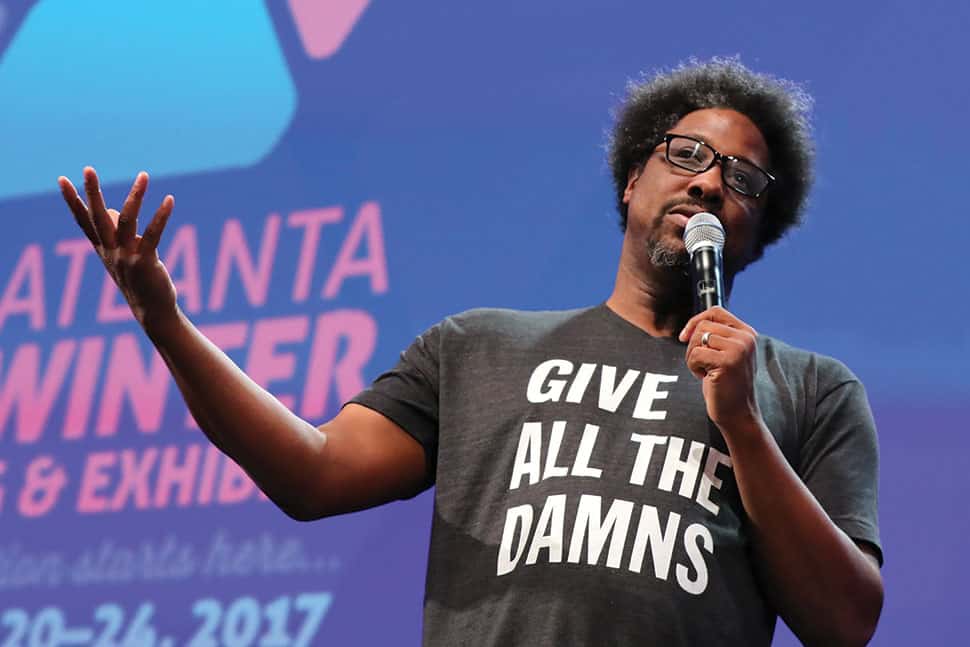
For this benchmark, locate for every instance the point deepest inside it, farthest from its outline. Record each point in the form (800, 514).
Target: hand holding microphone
(721, 349)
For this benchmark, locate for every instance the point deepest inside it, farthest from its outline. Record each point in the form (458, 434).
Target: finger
(720, 353)
(688, 331)
(726, 317)
(153, 232)
(716, 314)
(718, 334)
(726, 348)
(110, 255)
(128, 219)
(702, 359)
(80, 211)
(102, 223)
(723, 345)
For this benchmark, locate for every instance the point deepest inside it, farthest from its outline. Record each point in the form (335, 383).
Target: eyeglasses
(696, 156)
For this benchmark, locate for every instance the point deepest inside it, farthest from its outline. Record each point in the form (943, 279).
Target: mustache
(685, 202)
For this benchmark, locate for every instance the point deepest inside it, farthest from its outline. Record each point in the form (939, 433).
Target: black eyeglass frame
(717, 159)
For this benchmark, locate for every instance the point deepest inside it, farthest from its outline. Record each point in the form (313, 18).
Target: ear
(631, 181)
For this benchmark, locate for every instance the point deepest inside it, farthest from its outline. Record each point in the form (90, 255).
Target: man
(621, 474)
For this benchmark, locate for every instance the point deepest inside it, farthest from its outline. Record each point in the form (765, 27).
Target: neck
(655, 299)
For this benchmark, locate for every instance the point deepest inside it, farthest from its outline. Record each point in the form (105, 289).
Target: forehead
(729, 131)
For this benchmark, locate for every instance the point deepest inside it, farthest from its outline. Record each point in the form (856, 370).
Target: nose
(708, 187)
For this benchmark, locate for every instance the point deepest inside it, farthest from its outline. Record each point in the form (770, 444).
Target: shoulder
(783, 359)
(517, 324)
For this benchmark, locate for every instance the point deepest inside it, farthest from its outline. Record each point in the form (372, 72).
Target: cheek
(747, 227)
(644, 197)
(641, 212)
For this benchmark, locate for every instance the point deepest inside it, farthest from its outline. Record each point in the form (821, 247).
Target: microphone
(704, 239)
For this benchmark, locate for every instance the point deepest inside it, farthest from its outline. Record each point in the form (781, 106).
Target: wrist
(744, 431)
(162, 326)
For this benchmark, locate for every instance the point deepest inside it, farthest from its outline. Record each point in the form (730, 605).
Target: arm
(827, 588)
(357, 460)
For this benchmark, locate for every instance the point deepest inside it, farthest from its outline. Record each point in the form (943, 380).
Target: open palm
(131, 259)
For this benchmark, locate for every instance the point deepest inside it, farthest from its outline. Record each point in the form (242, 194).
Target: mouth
(679, 218)
(681, 214)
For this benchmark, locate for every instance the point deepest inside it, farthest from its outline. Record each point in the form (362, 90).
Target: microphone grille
(703, 229)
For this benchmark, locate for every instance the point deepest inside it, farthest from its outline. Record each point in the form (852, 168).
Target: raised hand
(132, 260)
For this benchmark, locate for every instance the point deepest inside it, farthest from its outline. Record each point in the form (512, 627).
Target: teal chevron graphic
(173, 87)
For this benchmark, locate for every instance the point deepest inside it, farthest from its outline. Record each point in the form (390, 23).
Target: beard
(663, 255)
(665, 249)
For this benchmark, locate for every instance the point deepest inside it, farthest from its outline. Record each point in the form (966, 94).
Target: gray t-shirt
(583, 497)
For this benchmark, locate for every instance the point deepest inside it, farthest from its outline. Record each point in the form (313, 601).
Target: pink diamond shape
(324, 25)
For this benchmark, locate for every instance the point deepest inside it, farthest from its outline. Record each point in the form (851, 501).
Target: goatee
(664, 256)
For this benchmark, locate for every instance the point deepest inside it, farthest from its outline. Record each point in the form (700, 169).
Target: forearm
(275, 447)
(824, 586)
(281, 452)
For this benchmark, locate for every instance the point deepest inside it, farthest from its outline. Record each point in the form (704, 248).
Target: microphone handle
(706, 278)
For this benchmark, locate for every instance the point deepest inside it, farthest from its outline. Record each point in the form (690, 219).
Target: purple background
(479, 128)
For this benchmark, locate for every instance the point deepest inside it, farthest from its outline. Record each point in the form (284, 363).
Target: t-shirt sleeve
(840, 459)
(408, 395)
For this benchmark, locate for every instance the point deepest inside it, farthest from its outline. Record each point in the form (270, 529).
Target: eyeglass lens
(692, 155)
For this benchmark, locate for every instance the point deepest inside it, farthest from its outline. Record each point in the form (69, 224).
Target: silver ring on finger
(706, 339)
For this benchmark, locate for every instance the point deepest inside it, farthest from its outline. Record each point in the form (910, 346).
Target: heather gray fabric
(582, 495)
